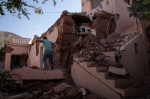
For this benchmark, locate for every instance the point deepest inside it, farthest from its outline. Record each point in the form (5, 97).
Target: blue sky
(38, 24)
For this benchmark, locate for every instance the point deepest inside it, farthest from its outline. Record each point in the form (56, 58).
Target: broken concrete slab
(71, 92)
(91, 64)
(20, 96)
(119, 71)
(99, 58)
(102, 69)
(111, 54)
(60, 87)
(35, 74)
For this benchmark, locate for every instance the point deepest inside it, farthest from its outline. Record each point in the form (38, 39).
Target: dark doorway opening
(18, 61)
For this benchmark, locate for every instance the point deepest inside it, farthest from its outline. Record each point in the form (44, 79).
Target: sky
(37, 24)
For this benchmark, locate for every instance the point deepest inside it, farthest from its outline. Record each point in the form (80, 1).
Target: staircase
(102, 81)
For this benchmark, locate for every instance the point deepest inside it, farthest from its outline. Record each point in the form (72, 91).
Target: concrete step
(119, 71)
(119, 84)
(35, 74)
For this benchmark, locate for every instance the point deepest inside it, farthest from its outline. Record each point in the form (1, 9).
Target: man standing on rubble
(48, 53)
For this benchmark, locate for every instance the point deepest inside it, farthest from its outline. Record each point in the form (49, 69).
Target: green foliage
(3, 78)
(3, 41)
(20, 7)
(4, 38)
(140, 9)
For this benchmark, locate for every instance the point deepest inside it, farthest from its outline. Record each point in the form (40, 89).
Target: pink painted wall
(134, 62)
(53, 35)
(35, 60)
(18, 50)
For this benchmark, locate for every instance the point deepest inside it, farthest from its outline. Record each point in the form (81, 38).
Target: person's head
(45, 38)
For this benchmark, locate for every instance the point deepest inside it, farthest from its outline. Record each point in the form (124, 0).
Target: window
(83, 29)
(95, 3)
(89, 30)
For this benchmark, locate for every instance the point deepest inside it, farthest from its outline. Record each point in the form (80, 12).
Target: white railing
(20, 41)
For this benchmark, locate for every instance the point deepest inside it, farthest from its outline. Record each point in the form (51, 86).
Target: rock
(83, 91)
(45, 97)
(60, 87)
(99, 58)
(46, 87)
(92, 96)
(47, 93)
(71, 92)
(37, 93)
(56, 97)
(102, 69)
(62, 95)
(19, 96)
(119, 71)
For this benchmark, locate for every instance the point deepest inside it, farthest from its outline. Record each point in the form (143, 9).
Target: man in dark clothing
(48, 53)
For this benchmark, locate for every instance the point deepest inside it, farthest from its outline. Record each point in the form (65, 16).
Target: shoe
(45, 68)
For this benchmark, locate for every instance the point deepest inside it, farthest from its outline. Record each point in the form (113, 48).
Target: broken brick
(60, 87)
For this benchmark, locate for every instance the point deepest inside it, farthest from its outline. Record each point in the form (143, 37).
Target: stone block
(99, 58)
(119, 71)
(60, 87)
(111, 55)
(102, 69)
(90, 64)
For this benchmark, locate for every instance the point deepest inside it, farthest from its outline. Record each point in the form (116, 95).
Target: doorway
(18, 61)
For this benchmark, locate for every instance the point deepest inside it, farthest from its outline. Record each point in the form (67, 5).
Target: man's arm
(39, 40)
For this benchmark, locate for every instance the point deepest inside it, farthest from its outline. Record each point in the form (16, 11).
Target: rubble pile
(93, 46)
(121, 39)
(44, 90)
(94, 49)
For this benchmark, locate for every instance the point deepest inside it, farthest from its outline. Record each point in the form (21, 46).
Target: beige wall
(134, 62)
(18, 50)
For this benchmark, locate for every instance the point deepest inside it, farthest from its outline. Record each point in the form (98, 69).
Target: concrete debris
(60, 87)
(47, 93)
(102, 69)
(56, 97)
(82, 90)
(71, 92)
(93, 96)
(121, 39)
(25, 95)
(119, 71)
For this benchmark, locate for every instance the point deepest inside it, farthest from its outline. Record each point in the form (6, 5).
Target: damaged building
(106, 50)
